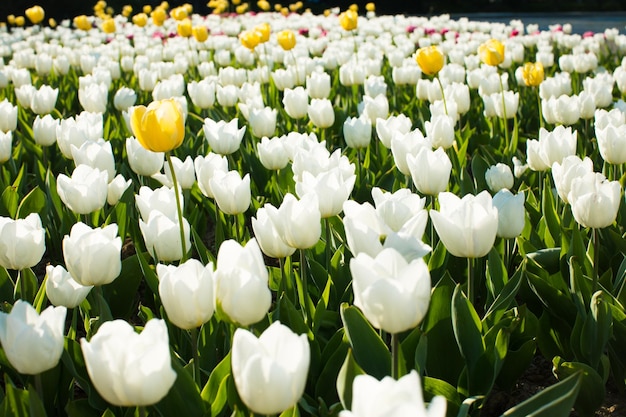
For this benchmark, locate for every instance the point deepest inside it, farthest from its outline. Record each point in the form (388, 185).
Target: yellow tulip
(11, 19)
(164, 5)
(200, 33)
(20, 21)
(160, 127)
(263, 5)
(184, 28)
(430, 59)
(349, 20)
(158, 16)
(109, 11)
(179, 13)
(35, 14)
(284, 11)
(188, 7)
(286, 39)
(82, 22)
(140, 19)
(100, 5)
(250, 39)
(491, 52)
(370, 7)
(278, 7)
(147, 9)
(354, 7)
(127, 10)
(236, 2)
(52, 23)
(108, 26)
(264, 30)
(532, 73)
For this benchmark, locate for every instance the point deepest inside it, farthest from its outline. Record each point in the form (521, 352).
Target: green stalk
(178, 208)
(540, 110)
(506, 127)
(305, 290)
(443, 95)
(470, 280)
(196, 358)
(327, 246)
(395, 356)
(596, 259)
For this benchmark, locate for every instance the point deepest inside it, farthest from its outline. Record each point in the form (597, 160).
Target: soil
(537, 377)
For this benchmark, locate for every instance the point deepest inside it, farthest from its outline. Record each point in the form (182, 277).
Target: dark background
(62, 9)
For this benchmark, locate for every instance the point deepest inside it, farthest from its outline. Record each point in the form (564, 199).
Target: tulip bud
(160, 127)
(130, 369)
(62, 289)
(270, 371)
(499, 176)
(467, 226)
(186, 292)
(35, 14)
(93, 256)
(22, 242)
(286, 39)
(32, 342)
(85, 191)
(430, 59)
(532, 74)
(392, 293)
(241, 283)
(491, 52)
(511, 213)
(349, 20)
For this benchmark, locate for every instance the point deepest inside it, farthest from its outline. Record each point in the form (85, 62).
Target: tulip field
(265, 211)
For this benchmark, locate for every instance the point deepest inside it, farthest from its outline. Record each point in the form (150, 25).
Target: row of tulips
(282, 213)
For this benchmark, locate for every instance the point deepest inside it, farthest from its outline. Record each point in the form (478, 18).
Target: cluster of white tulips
(277, 195)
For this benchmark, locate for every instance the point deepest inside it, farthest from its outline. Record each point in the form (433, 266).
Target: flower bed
(328, 215)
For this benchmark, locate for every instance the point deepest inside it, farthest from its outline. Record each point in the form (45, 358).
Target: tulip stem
(443, 94)
(38, 386)
(303, 303)
(504, 119)
(20, 280)
(178, 208)
(142, 411)
(540, 109)
(196, 358)
(596, 259)
(395, 356)
(470, 280)
(327, 247)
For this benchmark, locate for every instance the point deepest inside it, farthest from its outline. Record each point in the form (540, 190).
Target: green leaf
(553, 221)
(443, 360)
(497, 275)
(73, 360)
(149, 273)
(121, 293)
(370, 351)
(515, 364)
(467, 329)
(349, 370)
(10, 199)
(35, 404)
(33, 202)
(479, 167)
(16, 402)
(30, 285)
(596, 331)
(505, 297)
(80, 408)
(592, 391)
(215, 392)
(291, 412)
(183, 398)
(547, 258)
(554, 401)
(434, 387)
